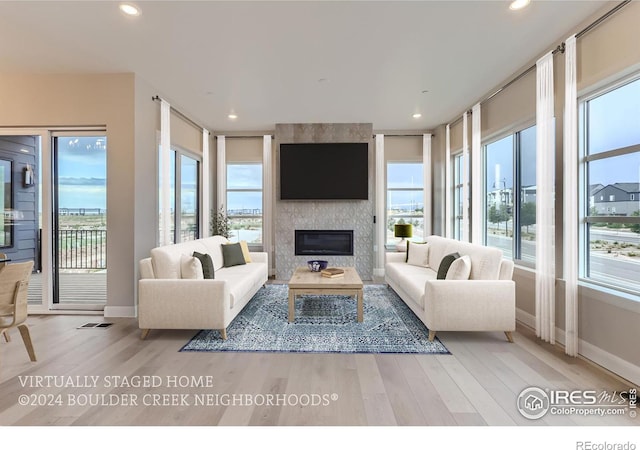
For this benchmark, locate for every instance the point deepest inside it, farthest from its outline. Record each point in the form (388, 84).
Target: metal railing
(82, 249)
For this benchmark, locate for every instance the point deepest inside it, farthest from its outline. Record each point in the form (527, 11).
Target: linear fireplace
(324, 242)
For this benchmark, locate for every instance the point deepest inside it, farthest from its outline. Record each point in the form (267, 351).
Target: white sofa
(484, 302)
(167, 301)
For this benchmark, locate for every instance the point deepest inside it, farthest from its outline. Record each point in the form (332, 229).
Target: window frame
(252, 246)
(456, 231)
(516, 241)
(388, 189)
(584, 195)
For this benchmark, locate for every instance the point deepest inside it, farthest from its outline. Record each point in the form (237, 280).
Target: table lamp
(402, 230)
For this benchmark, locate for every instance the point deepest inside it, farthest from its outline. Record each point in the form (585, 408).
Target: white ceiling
(265, 60)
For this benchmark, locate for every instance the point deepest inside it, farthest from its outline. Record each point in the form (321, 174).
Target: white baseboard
(589, 351)
(119, 311)
(378, 272)
(610, 361)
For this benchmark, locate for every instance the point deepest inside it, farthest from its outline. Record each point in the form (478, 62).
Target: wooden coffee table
(304, 282)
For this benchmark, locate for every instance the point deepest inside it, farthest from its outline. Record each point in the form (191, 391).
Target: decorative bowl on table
(316, 265)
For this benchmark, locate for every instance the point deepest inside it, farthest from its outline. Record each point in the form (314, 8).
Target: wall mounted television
(324, 171)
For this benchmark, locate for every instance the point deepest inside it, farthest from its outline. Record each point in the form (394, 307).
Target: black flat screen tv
(336, 171)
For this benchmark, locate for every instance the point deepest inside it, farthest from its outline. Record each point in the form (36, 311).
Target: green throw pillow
(207, 265)
(232, 255)
(445, 264)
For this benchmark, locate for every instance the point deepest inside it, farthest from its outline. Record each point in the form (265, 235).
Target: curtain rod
(244, 137)
(558, 49)
(404, 135)
(156, 98)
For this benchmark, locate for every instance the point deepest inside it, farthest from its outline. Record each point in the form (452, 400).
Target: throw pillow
(191, 268)
(207, 265)
(232, 255)
(460, 269)
(245, 251)
(418, 255)
(444, 265)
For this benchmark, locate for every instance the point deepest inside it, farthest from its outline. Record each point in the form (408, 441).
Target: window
(244, 202)
(405, 198)
(184, 185)
(510, 200)
(610, 163)
(458, 164)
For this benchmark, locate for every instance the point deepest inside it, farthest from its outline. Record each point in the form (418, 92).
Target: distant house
(619, 199)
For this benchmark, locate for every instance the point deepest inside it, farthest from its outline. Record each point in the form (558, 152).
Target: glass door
(79, 221)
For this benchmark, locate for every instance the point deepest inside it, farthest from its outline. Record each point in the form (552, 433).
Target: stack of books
(332, 272)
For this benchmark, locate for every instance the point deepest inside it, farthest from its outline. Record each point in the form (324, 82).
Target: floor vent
(95, 325)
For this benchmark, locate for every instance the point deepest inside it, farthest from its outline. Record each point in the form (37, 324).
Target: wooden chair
(14, 283)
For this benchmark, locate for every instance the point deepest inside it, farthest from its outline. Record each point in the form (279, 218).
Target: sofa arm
(183, 304)
(470, 305)
(395, 257)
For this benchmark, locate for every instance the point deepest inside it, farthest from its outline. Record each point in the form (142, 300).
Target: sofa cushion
(418, 254)
(485, 261)
(460, 269)
(445, 264)
(191, 268)
(245, 251)
(411, 278)
(213, 247)
(232, 255)
(208, 271)
(241, 279)
(166, 259)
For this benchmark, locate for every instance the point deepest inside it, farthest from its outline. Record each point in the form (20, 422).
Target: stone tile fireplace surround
(356, 215)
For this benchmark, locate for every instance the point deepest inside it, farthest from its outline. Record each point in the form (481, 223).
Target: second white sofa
(166, 300)
(483, 302)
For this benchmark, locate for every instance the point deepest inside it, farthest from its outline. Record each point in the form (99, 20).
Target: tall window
(184, 185)
(458, 164)
(244, 202)
(510, 201)
(405, 198)
(610, 149)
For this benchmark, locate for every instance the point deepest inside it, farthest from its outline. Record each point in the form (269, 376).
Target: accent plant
(219, 223)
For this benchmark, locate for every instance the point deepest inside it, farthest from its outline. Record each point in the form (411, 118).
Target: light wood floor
(476, 385)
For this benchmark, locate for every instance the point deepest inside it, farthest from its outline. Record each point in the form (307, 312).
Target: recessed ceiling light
(417, 115)
(518, 4)
(129, 9)
(232, 116)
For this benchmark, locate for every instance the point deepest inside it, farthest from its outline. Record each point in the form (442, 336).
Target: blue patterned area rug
(323, 324)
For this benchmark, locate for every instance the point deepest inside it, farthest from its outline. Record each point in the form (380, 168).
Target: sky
(82, 172)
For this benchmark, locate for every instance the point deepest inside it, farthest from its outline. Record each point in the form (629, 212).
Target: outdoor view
(244, 202)
(612, 166)
(405, 201)
(82, 219)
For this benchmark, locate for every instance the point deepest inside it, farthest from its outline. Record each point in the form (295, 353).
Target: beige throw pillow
(191, 268)
(245, 251)
(418, 254)
(460, 269)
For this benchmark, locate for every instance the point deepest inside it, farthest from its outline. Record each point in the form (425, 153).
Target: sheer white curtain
(570, 176)
(267, 197)
(426, 167)
(205, 209)
(447, 183)
(476, 176)
(465, 178)
(381, 230)
(545, 270)
(165, 160)
(222, 173)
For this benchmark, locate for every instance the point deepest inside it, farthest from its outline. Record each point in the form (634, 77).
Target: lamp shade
(403, 230)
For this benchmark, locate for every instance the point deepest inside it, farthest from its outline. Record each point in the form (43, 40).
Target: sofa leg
(432, 335)
(509, 336)
(223, 334)
(145, 333)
